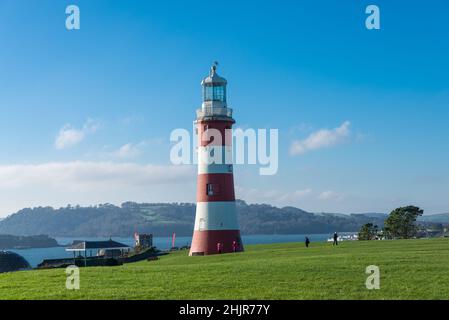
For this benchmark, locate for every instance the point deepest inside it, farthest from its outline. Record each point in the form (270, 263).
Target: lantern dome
(214, 79)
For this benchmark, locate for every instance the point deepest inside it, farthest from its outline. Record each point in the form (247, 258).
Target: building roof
(87, 245)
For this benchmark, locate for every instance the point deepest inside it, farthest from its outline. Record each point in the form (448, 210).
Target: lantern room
(214, 90)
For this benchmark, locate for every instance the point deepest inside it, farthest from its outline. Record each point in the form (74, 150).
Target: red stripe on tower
(216, 228)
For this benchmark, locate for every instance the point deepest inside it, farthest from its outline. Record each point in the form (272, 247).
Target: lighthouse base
(206, 242)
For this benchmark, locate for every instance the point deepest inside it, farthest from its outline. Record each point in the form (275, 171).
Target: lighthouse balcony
(214, 112)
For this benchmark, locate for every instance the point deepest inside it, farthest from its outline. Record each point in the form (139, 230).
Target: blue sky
(131, 74)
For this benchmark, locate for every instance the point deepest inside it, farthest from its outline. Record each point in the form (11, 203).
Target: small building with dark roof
(96, 245)
(109, 249)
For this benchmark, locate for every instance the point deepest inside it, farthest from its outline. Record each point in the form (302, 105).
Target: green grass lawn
(410, 269)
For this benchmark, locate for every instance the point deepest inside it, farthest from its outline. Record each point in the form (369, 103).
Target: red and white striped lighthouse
(216, 227)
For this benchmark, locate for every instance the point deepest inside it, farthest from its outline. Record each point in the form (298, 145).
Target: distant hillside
(435, 218)
(26, 242)
(162, 219)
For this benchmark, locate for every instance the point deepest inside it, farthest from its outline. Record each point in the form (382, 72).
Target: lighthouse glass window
(214, 93)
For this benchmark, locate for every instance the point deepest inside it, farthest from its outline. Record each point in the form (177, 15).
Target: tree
(368, 232)
(401, 223)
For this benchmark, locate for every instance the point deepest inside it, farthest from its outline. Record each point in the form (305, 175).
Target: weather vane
(214, 66)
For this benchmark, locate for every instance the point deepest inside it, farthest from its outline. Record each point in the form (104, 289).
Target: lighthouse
(216, 228)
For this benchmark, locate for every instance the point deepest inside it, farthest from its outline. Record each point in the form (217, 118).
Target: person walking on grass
(307, 242)
(234, 246)
(335, 239)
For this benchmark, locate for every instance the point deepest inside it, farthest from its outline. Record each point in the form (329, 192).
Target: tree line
(401, 223)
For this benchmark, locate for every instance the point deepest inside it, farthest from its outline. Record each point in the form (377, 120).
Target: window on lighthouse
(219, 93)
(212, 189)
(214, 93)
(202, 224)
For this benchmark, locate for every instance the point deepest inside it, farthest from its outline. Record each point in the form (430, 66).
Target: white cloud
(128, 151)
(131, 120)
(90, 175)
(86, 183)
(132, 150)
(295, 195)
(330, 195)
(69, 136)
(323, 138)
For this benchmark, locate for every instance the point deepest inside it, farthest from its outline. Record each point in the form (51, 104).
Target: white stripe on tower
(215, 168)
(214, 155)
(218, 215)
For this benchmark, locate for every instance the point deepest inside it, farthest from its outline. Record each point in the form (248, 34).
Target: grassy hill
(410, 269)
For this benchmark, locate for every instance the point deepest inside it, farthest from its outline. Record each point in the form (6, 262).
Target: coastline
(36, 255)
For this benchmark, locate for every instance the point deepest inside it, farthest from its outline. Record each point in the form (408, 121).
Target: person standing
(335, 239)
(219, 247)
(307, 242)
(234, 246)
